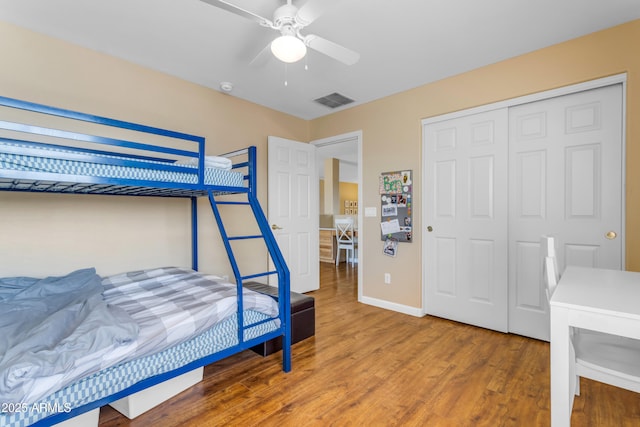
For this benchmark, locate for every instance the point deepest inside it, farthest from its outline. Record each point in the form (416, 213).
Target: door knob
(275, 227)
(429, 229)
(611, 235)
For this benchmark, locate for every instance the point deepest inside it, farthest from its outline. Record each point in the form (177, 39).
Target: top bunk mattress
(78, 172)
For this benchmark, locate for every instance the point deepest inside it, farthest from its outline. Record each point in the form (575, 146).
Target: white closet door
(565, 179)
(466, 208)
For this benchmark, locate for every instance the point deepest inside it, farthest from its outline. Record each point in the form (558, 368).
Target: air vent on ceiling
(334, 100)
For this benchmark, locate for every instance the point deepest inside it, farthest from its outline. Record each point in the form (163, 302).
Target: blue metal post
(284, 296)
(194, 233)
(233, 262)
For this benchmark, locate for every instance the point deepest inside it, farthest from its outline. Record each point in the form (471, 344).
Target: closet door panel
(445, 266)
(582, 178)
(565, 180)
(481, 252)
(530, 199)
(527, 295)
(496, 181)
(445, 189)
(584, 255)
(466, 207)
(481, 172)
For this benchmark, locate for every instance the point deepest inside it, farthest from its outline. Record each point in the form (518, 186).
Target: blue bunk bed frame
(164, 158)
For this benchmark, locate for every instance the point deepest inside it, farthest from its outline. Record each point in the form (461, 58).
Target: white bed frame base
(140, 402)
(88, 419)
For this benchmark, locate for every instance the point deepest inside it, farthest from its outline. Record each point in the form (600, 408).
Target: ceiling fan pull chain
(286, 83)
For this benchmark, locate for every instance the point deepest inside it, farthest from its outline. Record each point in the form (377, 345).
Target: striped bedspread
(169, 305)
(117, 378)
(173, 304)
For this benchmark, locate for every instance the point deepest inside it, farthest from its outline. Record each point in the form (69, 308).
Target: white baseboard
(400, 308)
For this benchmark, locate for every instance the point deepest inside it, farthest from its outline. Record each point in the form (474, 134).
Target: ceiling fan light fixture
(288, 48)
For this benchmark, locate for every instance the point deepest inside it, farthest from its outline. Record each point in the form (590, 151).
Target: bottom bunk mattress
(181, 316)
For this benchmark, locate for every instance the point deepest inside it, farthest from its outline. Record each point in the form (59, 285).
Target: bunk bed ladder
(281, 269)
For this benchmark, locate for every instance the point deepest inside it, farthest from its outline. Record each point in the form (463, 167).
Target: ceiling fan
(289, 20)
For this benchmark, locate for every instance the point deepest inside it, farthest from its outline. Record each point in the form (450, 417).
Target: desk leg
(561, 393)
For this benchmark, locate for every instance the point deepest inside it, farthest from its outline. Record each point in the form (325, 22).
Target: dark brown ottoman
(303, 318)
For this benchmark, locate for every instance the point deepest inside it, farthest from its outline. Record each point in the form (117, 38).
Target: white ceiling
(402, 43)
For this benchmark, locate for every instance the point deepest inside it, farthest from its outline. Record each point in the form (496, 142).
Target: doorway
(347, 148)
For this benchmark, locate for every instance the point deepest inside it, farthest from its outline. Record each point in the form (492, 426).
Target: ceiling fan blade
(329, 48)
(262, 57)
(312, 9)
(239, 11)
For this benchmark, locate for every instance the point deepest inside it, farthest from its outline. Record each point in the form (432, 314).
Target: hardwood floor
(369, 366)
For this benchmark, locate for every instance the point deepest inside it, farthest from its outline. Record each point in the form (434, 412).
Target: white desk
(590, 298)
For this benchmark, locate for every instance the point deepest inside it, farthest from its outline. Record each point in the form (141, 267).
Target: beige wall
(51, 234)
(348, 191)
(393, 125)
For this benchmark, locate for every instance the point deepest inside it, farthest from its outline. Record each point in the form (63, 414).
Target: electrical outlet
(387, 278)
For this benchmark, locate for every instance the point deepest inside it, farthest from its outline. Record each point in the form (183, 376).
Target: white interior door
(565, 180)
(466, 211)
(293, 207)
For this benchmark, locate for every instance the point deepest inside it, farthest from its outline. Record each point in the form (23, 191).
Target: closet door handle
(275, 227)
(429, 229)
